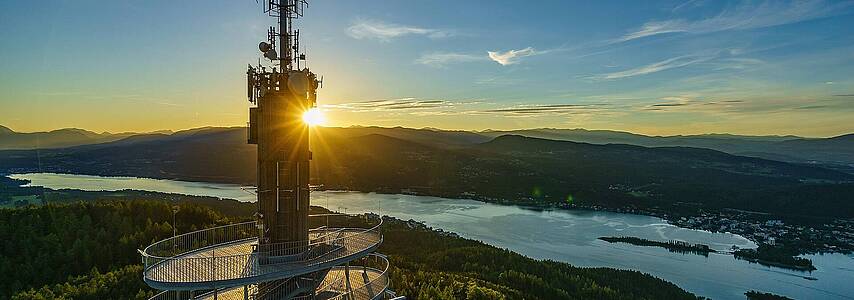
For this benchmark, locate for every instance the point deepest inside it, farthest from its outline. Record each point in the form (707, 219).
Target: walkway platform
(224, 257)
(363, 283)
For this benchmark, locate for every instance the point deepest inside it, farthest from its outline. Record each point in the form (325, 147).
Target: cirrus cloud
(671, 63)
(746, 16)
(439, 59)
(382, 31)
(512, 56)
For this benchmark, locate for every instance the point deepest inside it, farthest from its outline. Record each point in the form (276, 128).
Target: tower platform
(228, 256)
(367, 280)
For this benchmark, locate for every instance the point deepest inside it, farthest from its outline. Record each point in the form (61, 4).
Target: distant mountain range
(835, 152)
(507, 168)
(59, 138)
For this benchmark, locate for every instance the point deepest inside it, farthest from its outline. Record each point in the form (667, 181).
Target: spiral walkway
(362, 283)
(227, 256)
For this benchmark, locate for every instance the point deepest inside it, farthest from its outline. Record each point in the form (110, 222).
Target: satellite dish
(264, 47)
(270, 54)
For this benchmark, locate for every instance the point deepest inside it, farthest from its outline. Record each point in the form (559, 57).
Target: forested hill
(513, 169)
(834, 152)
(623, 156)
(205, 154)
(531, 171)
(87, 250)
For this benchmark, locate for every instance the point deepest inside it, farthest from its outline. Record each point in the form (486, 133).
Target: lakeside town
(802, 236)
(836, 236)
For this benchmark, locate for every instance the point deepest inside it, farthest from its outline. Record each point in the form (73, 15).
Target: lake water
(561, 235)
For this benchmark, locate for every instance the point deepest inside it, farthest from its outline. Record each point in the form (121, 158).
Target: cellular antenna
(288, 38)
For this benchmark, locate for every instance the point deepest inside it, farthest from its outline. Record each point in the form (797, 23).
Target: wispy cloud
(749, 15)
(546, 109)
(717, 105)
(672, 102)
(812, 107)
(687, 5)
(668, 104)
(671, 63)
(512, 56)
(736, 63)
(57, 93)
(439, 59)
(501, 80)
(169, 104)
(687, 103)
(378, 30)
(504, 58)
(389, 105)
(422, 107)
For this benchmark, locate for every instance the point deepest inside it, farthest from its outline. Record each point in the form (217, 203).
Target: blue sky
(664, 67)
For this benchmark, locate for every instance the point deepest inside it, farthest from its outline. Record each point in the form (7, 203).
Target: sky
(651, 67)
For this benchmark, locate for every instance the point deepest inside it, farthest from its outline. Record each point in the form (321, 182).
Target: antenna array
(288, 37)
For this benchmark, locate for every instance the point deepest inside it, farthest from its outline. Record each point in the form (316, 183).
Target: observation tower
(285, 253)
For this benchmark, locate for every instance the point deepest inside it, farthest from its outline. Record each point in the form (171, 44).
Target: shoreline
(675, 219)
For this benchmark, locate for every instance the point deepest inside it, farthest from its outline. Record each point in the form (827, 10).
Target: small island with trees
(756, 295)
(781, 257)
(672, 245)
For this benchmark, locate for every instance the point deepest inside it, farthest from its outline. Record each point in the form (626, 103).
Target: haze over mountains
(509, 167)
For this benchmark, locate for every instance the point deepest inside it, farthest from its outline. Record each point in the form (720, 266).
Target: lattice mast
(288, 37)
(281, 96)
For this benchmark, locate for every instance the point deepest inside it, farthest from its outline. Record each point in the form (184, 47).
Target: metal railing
(222, 256)
(333, 287)
(178, 295)
(372, 289)
(198, 240)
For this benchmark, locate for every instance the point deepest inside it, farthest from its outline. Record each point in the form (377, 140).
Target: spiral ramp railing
(225, 262)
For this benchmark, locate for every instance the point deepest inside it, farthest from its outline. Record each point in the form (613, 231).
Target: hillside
(435, 137)
(512, 169)
(84, 254)
(834, 152)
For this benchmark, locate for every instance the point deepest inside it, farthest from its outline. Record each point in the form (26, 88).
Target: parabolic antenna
(270, 54)
(264, 47)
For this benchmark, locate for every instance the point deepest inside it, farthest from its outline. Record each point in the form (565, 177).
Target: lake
(561, 235)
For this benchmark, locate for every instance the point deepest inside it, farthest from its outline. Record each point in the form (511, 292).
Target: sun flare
(314, 117)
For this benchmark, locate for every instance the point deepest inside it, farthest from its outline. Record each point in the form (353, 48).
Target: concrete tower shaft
(282, 97)
(276, 126)
(283, 155)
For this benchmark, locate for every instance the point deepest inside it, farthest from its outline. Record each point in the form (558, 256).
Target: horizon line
(172, 131)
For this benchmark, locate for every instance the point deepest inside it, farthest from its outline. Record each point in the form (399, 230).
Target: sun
(313, 117)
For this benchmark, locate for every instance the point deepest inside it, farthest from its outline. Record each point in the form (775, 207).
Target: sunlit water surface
(561, 235)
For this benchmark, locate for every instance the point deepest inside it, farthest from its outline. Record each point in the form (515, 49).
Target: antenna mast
(288, 37)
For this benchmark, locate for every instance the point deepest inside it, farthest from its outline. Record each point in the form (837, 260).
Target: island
(755, 295)
(781, 257)
(672, 245)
